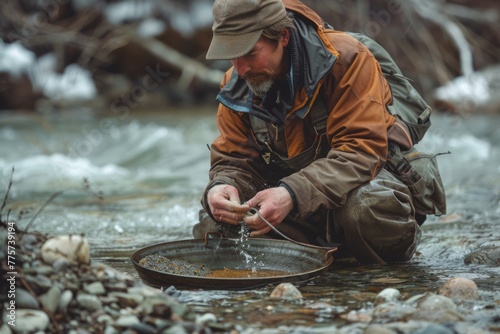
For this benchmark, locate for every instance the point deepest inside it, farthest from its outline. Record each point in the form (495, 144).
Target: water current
(136, 180)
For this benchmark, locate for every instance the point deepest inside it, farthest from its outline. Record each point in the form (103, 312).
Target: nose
(240, 65)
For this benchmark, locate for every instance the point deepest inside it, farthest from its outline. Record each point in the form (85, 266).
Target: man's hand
(225, 206)
(274, 205)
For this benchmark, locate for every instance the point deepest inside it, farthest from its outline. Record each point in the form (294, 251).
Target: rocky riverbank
(54, 287)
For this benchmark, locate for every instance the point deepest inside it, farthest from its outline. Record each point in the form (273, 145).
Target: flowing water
(135, 180)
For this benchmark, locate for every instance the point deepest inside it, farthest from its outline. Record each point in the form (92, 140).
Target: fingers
(255, 222)
(225, 204)
(228, 217)
(260, 232)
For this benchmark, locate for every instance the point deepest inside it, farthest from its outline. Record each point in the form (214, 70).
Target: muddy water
(133, 181)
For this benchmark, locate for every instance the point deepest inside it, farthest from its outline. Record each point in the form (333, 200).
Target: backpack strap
(401, 167)
(318, 113)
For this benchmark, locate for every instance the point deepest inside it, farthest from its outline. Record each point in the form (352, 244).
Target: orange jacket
(356, 94)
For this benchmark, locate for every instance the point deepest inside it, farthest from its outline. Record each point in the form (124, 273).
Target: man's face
(262, 65)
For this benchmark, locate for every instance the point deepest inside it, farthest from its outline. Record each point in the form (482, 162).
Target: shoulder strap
(318, 112)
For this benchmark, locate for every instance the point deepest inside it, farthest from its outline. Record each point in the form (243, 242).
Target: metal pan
(300, 263)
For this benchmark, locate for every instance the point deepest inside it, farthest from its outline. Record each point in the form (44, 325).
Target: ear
(285, 37)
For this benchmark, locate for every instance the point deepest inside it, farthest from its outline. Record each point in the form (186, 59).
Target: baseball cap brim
(230, 46)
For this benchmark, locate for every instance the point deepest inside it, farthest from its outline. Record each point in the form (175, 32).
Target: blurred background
(124, 55)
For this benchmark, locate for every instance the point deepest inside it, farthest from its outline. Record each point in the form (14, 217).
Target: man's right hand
(224, 203)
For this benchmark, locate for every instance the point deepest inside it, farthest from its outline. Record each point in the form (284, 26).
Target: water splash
(244, 247)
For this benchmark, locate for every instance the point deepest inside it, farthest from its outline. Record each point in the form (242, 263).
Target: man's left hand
(274, 204)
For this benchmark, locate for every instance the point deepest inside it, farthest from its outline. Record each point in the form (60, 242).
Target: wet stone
(143, 328)
(387, 295)
(50, 299)
(94, 288)
(393, 311)
(89, 302)
(40, 283)
(434, 302)
(127, 320)
(60, 265)
(24, 299)
(459, 288)
(286, 291)
(31, 321)
(66, 298)
(489, 255)
(378, 329)
(127, 299)
(435, 329)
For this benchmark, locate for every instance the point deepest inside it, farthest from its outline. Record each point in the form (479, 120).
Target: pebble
(50, 299)
(128, 299)
(487, 255)
(30, 321)
(387, 295)
(143, 328)
(94, 288)
(433, 302)
(94, 298)
(74, 248)
(378, 329)
(459, 288)
(127, 320)
(66, 298)
(24, 299)
(435, 329)
(89, 302)
(60, 265)
(286, 291)
(205, 318)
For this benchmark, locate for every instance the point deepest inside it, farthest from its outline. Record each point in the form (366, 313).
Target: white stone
(30, 321)
(387, 295)
(286, 291)
(74, 248)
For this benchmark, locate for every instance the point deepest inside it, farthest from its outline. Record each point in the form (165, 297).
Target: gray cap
(238, 25)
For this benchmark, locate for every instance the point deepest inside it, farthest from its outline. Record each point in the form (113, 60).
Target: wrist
(292, 195)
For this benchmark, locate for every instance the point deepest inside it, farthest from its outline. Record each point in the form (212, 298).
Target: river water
(128, 181)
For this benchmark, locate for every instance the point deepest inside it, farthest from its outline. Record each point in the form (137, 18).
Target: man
(317, 181)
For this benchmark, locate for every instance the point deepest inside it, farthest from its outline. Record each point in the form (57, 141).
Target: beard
(259, 84)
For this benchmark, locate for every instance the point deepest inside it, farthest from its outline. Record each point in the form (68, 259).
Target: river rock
(74, 248)
(94, 288)
(50, 299)
(393, 311)
(60, 265)
(159, 305)
(128, 299)
(24, 299)
(387, 295)
(459, 288)
(66, 298)
(433, 302)
(435, 329)
(89, 302)
(488, 255)
(205, 319)
(30, 321)
(378, 329)
(127, 320)
(286, 291)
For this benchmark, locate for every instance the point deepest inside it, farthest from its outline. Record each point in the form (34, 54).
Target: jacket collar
(309, 57)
